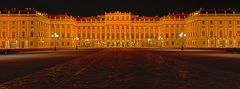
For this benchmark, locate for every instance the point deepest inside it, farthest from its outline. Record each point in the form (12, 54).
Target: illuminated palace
(204, 28)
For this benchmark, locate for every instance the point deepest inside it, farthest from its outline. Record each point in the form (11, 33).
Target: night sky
(139, 7)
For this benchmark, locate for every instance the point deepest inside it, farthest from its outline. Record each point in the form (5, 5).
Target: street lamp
(88, 45)
(149, 42)
(55, 36)
(160, 40)
(182, 35)
(76, 39)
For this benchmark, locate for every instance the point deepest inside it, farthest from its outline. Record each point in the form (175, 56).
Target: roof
(16, 11)
(218, 11)
(89, 18)
(57, 16)
(178, 15)
(146, 18)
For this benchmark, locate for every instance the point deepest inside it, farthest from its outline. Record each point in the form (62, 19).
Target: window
(23, 34)
(156, 35)
(3, 34)
(137, 35)
(122, 35)
(172, 35)
(230, 33)
(166, 35)
(31, 43)
(203, 22)
(93, 35)
(67, 43)
(13, 34)
(220, 22)
(221, 34)
(68, 35)
(238, 33)
(79, 35)
(31, 22)
(112, 35)
(62, 43)
(211, 33)
(204, 43)
(230, 42)
(127, 35)
(146, 35)
(39, 34)
(88, 35)
(31, 34)
(203, 33)
(98, 35)
(211, 22)
(118, 36)
(172, 43)
(63, 35)
(103, 35)
(230, 22)
(23, 22)
(142, 35)
(132, 35)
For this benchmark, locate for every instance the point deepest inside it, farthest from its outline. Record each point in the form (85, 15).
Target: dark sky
(140, 7)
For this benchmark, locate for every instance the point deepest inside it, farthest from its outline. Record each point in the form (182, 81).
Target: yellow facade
(29, 28)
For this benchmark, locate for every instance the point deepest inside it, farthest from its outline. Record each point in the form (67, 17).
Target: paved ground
(138, 69)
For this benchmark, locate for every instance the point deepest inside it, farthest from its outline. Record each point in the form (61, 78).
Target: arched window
(31, 34)
(203, 33)
(13, 34)
(221, 34)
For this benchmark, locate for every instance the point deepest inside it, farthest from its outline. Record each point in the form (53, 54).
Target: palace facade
(204, 28)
